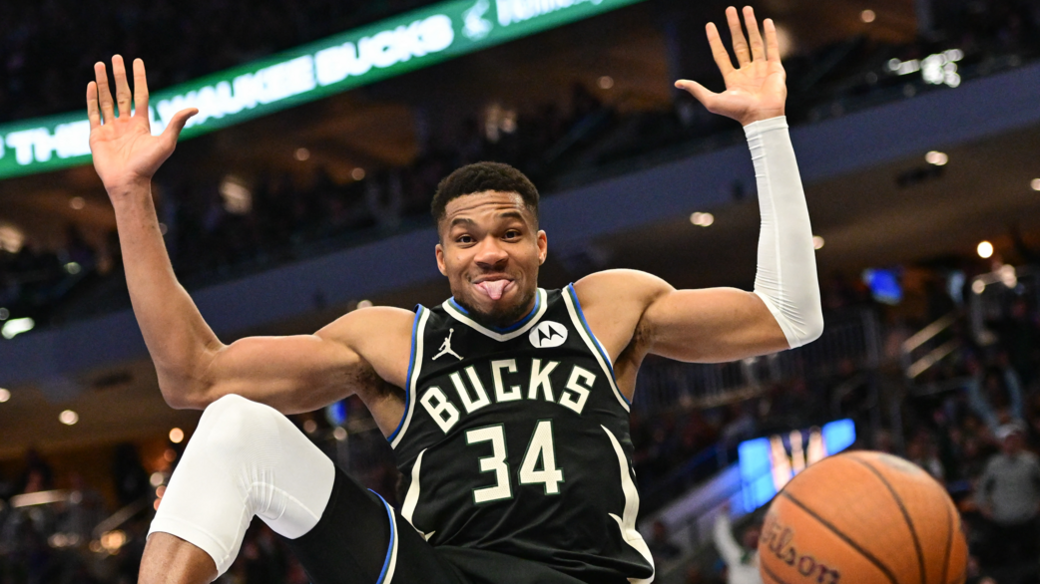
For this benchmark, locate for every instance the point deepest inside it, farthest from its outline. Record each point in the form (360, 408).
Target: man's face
(1012, 443)
(490, 251)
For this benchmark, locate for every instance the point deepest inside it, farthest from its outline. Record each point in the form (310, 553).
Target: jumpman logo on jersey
(446, 347)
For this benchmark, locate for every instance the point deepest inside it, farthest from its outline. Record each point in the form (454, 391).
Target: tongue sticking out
(493, 288)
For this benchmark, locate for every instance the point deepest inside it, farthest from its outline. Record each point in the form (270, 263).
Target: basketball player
(506, 406)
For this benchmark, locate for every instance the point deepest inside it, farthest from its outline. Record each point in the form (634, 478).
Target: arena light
(1008, 275)
(1035, 184)
(817, 242)
(937, 158)
(176, 435)
(157, 478)
(358, 173)
(73, 268)
(17, 326)
(702, 219)
(302, 154)
(77, 203)
(868, 16)
(11, 238)
(238, 199)
(5, 395)
(4, 314)
(384, 49)
(340, 433)
(68, 417)
(985, 249)
(606, 82)
(936, 69)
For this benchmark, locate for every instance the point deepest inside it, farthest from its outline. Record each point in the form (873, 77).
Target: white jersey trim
(627, 521)
(417, 359)
(594, 346)
(463, 318)
(411, 498)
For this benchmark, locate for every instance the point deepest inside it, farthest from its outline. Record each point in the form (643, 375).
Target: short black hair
(480, 177)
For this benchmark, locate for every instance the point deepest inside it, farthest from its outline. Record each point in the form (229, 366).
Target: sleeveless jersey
(517, 441)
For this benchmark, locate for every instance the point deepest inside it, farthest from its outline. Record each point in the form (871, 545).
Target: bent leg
(245, 459)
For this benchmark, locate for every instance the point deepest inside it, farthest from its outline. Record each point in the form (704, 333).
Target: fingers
(698, 91)
(123, 95)
(92, 105)
(104, 95)
(758, 49)
(772, 44)
(140, 89)
(740, 46)
(173, 129)
(718, 50)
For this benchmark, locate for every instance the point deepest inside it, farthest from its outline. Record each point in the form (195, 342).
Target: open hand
(757, 89)
(125, 152)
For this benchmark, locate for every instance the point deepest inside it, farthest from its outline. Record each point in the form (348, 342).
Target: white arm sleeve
(786, 278)
(725, 543)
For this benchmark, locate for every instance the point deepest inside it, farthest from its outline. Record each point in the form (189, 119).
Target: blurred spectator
(1009, 496)
(661, 548)
(741, 558)
(130, 478)
(995, 394)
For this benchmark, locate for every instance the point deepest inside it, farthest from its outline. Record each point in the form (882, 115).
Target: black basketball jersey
(517, 440)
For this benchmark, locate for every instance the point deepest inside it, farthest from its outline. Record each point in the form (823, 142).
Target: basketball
(863, 517)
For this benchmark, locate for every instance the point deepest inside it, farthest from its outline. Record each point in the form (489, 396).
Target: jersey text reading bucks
(516, 440)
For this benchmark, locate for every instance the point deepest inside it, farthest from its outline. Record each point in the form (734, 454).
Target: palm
(757, 88)
(124, 149)
(126, 146)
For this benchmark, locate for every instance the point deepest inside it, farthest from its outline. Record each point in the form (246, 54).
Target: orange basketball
(862, 518)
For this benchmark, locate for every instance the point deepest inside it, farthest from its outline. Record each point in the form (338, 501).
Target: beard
(503, 318)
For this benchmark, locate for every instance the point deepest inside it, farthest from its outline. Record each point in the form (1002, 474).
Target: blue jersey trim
(512, 327)
(393, 536)
(602, 351)
(408, 379)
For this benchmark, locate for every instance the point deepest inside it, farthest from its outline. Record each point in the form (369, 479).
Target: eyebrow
(461, 221)
(466, 221)
(511, 215)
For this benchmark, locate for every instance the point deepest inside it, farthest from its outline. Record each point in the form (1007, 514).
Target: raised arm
(724, 324)
(293, 374)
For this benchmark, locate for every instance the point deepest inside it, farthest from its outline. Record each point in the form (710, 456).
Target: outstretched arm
(293, 374)
(725, 324)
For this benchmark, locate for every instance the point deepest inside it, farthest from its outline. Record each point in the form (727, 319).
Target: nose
(491, 254)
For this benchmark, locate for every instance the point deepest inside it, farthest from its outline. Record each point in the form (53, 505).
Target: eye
(512, 233)
(464, 238)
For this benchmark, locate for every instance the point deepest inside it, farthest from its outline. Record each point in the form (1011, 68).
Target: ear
(543, 247)
(440, 260)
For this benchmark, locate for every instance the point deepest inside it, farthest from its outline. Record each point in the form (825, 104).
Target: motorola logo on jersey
(548, 334)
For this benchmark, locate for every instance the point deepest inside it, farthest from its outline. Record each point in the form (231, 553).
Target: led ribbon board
(351, 59)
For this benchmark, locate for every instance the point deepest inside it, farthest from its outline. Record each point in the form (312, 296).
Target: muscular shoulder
(614, 302)
(626, 291)
(380, 335)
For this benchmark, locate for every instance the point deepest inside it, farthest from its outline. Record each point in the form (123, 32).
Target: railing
(930, 345)
(994, 294)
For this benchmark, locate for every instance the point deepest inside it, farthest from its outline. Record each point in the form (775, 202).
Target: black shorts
(360, 539)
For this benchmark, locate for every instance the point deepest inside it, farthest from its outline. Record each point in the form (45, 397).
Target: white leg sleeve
(244, 459)
(786, 279)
